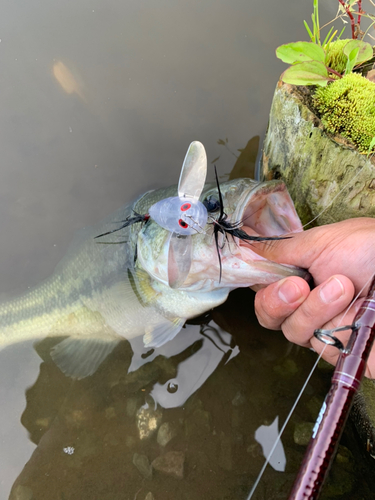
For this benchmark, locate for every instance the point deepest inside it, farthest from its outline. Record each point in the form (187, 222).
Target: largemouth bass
(117, 286)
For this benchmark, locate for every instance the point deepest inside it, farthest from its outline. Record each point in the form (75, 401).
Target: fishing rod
(332, 417)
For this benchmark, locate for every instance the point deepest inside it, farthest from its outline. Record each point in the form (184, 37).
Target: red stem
(334, 72)
(352, 22)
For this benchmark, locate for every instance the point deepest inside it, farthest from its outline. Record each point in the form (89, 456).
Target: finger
(303, 248)
(299, 249)
(323, 303)
(276, 302)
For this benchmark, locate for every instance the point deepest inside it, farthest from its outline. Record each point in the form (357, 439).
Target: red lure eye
(182, 223)
(185, 207)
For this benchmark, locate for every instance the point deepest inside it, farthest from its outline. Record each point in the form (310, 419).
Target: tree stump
(325, 174)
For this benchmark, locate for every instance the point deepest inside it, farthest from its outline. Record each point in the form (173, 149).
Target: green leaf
(327, 36)
(306, 73)
(308, 31)
(365, 51)
(352, 60)
(297, 52)
(341, 32)
(372, 144)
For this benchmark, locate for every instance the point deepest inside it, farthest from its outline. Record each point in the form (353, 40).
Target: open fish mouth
(268, 210)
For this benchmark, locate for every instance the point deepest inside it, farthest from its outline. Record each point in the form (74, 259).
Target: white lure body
(181, 215)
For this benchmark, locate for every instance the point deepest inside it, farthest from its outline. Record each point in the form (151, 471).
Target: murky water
(99, 102)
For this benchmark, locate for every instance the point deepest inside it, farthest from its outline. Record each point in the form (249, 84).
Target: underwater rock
(143, 465)
(166, 432)
(315, 165)
(171, 464)
(148, 421)
(149, 496)
(303, 432)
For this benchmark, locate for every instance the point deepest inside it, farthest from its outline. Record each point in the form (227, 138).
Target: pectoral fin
(79, 358)
(161, 332)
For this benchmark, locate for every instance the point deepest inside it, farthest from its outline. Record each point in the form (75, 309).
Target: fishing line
(255, 485)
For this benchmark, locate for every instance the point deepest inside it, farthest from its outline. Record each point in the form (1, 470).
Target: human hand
(341, 259)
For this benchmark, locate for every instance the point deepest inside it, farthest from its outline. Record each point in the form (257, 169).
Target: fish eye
(212, 204)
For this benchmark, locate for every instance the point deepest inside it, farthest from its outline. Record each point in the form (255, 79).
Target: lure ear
(194, 171)
(179, 259)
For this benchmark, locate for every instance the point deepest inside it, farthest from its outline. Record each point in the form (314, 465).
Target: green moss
(335, 58)
(347, 107)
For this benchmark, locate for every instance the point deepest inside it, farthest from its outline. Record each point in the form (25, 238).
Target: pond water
(99, 102)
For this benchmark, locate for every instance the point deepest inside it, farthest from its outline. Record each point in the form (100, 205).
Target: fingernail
(331, 291)
(289, 292)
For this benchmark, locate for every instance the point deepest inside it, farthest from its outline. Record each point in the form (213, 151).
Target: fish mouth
(268, 210)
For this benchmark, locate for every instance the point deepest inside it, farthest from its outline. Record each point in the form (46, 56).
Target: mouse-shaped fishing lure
(183, 215)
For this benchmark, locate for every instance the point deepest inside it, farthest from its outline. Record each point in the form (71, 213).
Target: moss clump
(347, 107)
(335, 57)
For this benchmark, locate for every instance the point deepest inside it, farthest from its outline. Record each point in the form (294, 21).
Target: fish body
(117, 287)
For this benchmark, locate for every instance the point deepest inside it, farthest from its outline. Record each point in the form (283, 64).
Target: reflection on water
(98, 100)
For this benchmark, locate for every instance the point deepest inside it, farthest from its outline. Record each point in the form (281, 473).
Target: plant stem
(352, 22)
(334, 72)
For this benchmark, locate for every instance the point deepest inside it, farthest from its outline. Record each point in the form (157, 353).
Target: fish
(115, 287)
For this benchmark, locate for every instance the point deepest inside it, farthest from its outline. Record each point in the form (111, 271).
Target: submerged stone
(303, 432)
(143, 465)
(166, 432)
(170, 464)
(149, 496)
(148, 421)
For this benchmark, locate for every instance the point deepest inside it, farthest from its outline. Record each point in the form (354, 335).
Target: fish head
(264, 208)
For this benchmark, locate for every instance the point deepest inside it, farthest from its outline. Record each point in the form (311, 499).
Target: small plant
(318, 63)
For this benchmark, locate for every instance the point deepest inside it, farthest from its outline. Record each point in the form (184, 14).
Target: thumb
(297, 249)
